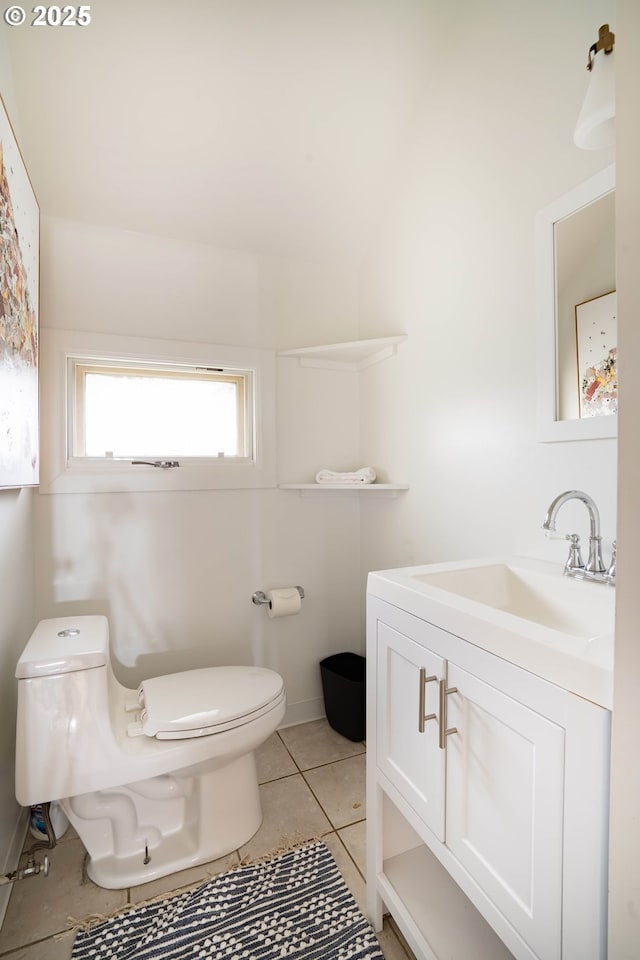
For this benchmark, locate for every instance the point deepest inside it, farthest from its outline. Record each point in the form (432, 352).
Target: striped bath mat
(296, 905)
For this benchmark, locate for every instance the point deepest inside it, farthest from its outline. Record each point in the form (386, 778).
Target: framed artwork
(597, 349)
(19, 306)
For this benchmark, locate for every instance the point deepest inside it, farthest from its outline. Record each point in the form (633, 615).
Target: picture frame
(597, 355)
(19, 315)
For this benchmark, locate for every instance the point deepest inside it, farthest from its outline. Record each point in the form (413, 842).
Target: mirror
(576, 313)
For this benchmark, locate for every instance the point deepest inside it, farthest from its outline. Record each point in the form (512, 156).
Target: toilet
(153, 780)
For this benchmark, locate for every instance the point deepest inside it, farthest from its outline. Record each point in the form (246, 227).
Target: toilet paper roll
(283, 602)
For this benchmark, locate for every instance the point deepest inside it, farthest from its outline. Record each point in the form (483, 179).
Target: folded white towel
(364, 475)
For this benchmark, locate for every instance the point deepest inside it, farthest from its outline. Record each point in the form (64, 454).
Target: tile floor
(312, 782)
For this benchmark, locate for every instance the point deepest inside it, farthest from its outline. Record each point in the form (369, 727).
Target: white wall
(453, 267)
(453, 414)
(624, 880)
(17, 603)
(175, 572)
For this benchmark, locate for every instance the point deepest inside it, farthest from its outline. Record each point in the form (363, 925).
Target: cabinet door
(505, 772)
(409, 756)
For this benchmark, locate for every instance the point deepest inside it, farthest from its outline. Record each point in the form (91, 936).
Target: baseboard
(303, 711)
(13, 858)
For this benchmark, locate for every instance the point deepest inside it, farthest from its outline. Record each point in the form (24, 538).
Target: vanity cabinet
(487, 800)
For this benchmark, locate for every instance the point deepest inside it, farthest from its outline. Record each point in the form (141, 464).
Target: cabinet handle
(443, 732)
(422, 717)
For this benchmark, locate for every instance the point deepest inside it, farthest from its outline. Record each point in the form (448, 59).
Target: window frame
(64, 473)
(79, 367)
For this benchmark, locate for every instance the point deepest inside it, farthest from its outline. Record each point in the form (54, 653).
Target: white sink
(542, 596)
(523, 610)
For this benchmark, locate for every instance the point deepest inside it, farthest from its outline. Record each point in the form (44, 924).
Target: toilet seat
(197, 703)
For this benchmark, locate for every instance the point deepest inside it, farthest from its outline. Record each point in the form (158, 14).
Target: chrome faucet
(594, 568)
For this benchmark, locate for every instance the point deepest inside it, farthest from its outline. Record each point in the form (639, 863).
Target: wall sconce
(596, 126)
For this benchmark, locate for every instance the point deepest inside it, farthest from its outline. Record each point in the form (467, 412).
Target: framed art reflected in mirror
(597, 356)
(19, 320)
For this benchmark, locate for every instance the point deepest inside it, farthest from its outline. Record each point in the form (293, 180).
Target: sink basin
(543, 597)
(521, 609)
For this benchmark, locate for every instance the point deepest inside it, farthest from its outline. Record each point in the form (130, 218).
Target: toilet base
(146, 830)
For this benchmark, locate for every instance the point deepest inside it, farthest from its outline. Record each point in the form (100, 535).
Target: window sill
(135, 479)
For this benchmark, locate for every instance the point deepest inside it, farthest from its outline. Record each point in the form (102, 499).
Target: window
(109, 400)
(163, 411)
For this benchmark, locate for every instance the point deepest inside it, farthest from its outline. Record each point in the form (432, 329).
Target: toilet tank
(63, 706)
(64, 645)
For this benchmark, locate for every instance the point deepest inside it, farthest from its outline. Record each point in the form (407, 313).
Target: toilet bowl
(153, 780)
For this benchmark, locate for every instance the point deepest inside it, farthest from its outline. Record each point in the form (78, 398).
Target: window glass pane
(156, 416)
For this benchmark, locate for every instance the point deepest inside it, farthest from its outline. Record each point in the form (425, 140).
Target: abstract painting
(597, 341)
(19, 264)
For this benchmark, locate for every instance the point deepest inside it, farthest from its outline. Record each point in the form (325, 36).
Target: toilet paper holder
(260, 596)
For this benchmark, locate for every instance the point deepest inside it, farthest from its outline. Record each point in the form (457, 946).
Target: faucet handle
(554, 535)
(574, 560)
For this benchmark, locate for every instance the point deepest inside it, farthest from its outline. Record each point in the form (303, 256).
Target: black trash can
(344, 689)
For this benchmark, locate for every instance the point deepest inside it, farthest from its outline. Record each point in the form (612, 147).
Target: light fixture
(596, 126)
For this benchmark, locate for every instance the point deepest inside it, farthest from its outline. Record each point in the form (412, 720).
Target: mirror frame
(548, 427)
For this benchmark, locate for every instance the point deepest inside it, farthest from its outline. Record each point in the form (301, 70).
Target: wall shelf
(354, 355)
(369, 489)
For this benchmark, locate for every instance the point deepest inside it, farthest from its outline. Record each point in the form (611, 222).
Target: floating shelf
(370, 489)
(355, 355)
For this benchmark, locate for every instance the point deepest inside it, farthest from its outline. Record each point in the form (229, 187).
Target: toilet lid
(200, 702)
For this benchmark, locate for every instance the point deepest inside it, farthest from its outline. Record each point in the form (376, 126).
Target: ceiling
(261, 125)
